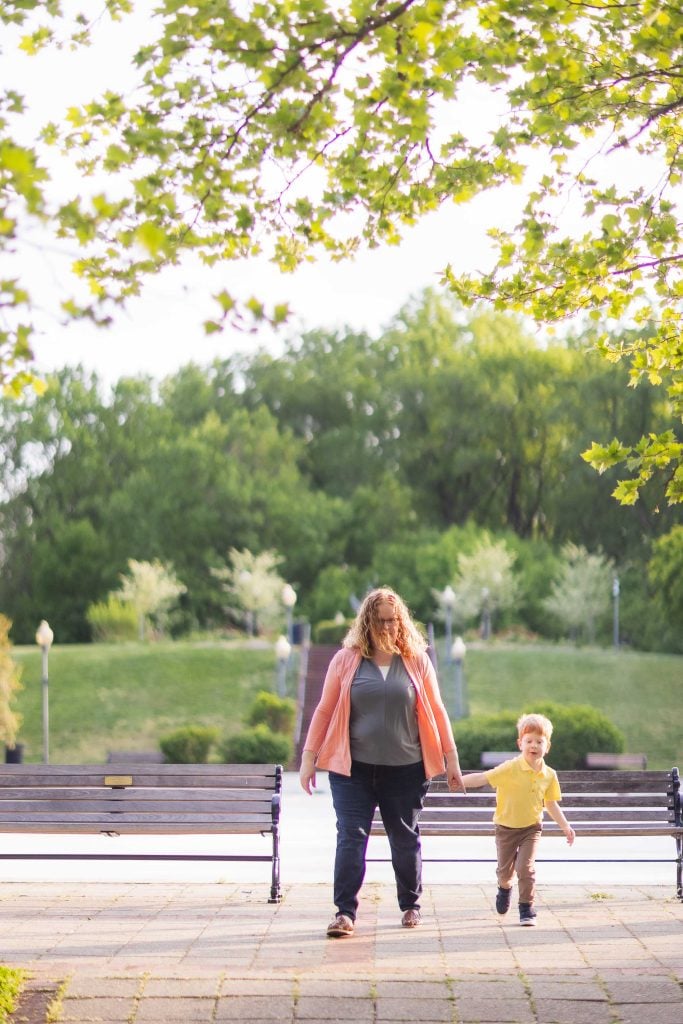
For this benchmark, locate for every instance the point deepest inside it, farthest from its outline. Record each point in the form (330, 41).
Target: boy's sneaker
(527, 915)
(502, 901)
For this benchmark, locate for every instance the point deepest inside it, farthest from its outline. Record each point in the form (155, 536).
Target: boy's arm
(474, 780)
(555, 812)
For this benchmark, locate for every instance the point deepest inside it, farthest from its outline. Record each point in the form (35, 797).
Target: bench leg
(676, 810)
(275, 893)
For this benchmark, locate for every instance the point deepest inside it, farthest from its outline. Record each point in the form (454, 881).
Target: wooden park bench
(491, 758)
(144, 799)
(620, 804)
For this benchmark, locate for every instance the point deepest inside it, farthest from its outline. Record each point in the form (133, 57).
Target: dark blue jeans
(398, 791)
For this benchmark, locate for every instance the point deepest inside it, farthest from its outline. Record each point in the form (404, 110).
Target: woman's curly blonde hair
(409, 639)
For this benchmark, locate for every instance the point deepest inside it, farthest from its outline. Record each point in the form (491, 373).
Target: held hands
(453, 774)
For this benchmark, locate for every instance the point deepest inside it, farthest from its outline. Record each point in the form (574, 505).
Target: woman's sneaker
(502, 901)
(340, 926)
(527, 915)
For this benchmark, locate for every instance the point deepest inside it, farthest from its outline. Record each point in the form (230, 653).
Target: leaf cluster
(10, 684)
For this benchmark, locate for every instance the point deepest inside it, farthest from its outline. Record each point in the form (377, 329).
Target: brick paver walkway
(142, 952)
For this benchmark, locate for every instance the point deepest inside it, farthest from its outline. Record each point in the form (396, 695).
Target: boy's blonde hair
(534, 723)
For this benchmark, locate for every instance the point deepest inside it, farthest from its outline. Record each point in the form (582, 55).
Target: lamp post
(458, 651)
(289, 600)
(44, 638)
(448, 601)
(282, 651)
(615, 598)
(485, 614)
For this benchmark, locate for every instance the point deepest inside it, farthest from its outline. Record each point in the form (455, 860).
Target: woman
(381, 731)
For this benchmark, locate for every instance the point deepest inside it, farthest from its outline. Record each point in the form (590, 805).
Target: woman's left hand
(454, 775)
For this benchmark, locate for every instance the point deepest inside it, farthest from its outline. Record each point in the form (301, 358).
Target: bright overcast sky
(162, 330)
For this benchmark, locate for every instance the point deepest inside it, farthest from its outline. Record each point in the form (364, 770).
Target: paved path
(212, 952)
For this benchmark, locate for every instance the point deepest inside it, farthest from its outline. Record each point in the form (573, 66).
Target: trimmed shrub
(258, 745)
(10, 684)
(329, 631)
(578, 729)
(189, 745)
(278, 713)
(484, 732)
(112, 621)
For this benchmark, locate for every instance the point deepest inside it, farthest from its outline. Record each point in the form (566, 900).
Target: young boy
(524, 786)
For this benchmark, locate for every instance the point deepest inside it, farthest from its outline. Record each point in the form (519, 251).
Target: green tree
(332, 592)
(665, 574)
(91, 480)
(65, 457)
(328, 389)
(10, 683)
(476, 414)
(580, 596)
(485, 584)
(253, 587)
(297, 128)
(491, 421)
(152, 589)
(421, 561)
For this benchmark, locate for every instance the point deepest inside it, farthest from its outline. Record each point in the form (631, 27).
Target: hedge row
(578, 729)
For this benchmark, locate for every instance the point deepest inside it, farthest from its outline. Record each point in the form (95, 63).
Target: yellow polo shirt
(521, 793)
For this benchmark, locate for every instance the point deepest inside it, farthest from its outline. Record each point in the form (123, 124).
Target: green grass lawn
(125, 697)
(640, 693)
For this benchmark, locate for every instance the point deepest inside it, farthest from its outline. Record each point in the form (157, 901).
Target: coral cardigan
(328, 734)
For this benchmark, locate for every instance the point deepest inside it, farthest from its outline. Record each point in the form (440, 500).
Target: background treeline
(358, 460)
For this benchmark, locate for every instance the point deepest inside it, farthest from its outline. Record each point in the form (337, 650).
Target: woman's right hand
(307, 772)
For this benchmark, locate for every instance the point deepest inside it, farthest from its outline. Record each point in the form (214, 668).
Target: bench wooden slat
(107, 798)
(36, 809)
(457, 818)
(221, 771)
(491, 758)
(580, 780)
(486, 798)
(147, 828)
(65, 804)
(549, 828)
(157, 776)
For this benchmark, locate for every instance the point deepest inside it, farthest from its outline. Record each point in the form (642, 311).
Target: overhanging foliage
(302, 127)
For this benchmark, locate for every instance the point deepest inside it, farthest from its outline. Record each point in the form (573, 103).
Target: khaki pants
(516, 849)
